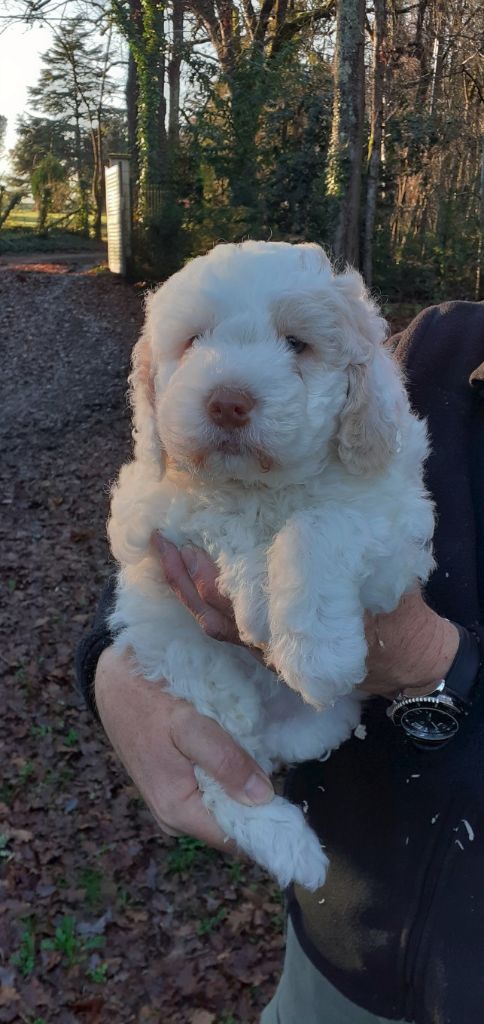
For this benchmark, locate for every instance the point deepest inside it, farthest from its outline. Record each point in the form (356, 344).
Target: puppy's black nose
(230, 408)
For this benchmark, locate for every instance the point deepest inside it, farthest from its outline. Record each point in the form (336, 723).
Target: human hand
(410, 648)
(192, 576)
(159, 739)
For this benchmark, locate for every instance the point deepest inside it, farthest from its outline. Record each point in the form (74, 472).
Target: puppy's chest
(227, 523)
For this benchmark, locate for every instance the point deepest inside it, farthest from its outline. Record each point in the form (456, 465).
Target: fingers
(204, 574)
(206, 744)
(197, 821)
(198, 593)
(189, 817)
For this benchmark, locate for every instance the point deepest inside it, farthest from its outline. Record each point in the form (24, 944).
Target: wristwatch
(433, 720)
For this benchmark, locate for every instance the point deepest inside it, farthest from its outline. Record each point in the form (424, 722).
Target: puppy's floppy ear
(366, 436)
(369, 420)
(147, 445)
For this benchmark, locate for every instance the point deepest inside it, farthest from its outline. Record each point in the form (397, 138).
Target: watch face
(429, 723)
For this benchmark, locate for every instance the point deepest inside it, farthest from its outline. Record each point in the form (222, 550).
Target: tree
(268, 136)
(3, 129)
(247, 39)
(344, 168)
(47, 175)
(376, 133)
(174, 69)
(39, 136)
(74, 86)
(142, 22)
(9, 199)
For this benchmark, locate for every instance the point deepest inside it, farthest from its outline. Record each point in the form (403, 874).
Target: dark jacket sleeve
(401, 928)
(93, 644)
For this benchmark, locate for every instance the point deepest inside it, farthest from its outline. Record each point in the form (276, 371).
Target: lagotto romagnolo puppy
(273, 430)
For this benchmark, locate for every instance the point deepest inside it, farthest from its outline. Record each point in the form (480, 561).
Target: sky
(20, 52)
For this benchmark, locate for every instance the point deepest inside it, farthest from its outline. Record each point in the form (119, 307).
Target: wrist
(432, 654)
(411, 649)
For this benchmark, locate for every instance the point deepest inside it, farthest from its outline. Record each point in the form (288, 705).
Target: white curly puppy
(273, 430)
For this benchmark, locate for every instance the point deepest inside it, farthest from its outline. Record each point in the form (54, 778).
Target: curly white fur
(314, 511)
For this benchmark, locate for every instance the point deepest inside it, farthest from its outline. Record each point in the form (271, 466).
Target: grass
(70, 944)
(98, 974)
(24, 958)
(25, 240)
(73, 947)
(41, 730)
(208, 924)
(65, 940)
(5, 853)
(23, 217)
(26, 772)
(6, 796)
(20, 234)
(185, 853)
(91, 883)
(71, 738)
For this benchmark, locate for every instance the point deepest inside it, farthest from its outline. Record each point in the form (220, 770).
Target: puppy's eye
(295, 343)
(188, 344)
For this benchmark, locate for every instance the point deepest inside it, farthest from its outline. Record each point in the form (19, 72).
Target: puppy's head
(258, 362)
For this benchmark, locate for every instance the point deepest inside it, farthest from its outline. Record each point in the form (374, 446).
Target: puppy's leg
(244, 580)
(296, 732)
(315, 570)
(276, 835)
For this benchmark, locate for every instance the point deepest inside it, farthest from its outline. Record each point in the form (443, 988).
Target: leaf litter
(99, 918)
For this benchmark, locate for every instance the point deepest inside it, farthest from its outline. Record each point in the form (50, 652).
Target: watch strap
(462, 675)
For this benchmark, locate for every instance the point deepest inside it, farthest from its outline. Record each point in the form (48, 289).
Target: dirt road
(101, 918)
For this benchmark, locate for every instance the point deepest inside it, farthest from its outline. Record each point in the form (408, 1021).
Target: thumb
(207, 745)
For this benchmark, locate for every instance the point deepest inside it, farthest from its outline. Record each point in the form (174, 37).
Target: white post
(118, 215)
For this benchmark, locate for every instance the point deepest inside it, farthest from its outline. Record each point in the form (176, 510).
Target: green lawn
(21, 217)
(18, 234)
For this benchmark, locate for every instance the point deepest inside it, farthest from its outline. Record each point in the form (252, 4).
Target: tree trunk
(132, 115)
(420, 52)
(376, 136)
(11, 203)
(151, 105)
(145, 31)
(480, 244)
(344, 167)
(82, 183)
(97, 178)
(174, 69)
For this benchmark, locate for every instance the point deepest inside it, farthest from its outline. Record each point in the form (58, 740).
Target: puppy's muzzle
(230, 408)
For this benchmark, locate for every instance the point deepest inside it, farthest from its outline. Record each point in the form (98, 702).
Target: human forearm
(412, 648)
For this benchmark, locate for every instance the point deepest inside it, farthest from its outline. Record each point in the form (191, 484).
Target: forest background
(355, 124)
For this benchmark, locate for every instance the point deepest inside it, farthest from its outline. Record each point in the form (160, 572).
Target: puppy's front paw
(243, 581)
(318, 669)
(251, 622)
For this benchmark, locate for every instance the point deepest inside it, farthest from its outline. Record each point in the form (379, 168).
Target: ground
(101, 918)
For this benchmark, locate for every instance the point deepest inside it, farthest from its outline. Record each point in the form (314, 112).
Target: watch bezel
(441, 704)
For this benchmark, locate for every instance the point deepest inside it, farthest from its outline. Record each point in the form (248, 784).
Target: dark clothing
(401, 931)
(93, 644)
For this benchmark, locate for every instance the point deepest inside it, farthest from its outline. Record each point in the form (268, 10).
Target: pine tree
(73, 86)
